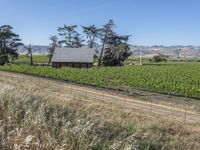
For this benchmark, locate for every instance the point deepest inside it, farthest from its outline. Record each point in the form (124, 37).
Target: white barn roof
(80, 55)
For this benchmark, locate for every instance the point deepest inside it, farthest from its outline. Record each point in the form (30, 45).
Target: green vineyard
(36, 59)
(179, 79)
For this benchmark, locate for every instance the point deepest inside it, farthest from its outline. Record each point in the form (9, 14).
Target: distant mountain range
(173, 51)
(147, 51)
(37, 50)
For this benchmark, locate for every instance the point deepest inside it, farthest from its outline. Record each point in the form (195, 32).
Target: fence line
(78, 92)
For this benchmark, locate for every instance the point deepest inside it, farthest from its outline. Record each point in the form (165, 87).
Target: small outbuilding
(73, 57)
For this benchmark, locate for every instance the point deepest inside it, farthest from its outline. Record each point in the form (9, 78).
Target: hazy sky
(150, 22)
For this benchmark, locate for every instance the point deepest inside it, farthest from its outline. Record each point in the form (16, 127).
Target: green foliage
(70, 37)
(114, 47)
(12, 57)
(158, 58)
(92, 33)
(117, 51)
(9, 42)
(106, 32)
(174, 78)
(3, 58)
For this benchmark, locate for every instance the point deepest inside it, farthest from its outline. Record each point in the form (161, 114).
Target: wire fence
(62, 89)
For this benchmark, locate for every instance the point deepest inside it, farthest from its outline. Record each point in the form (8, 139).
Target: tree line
(114, 48)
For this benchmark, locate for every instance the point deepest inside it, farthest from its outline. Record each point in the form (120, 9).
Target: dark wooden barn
(73, 57)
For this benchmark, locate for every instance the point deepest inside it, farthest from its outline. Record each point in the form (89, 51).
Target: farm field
(36, 59)
(169, 78)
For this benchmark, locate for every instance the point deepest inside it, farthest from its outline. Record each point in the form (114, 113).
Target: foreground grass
(175, 78)
(36, 122)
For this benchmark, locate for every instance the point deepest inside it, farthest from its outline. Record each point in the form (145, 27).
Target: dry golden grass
(29, 119)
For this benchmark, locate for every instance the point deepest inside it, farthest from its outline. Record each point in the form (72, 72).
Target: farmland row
(181, 79)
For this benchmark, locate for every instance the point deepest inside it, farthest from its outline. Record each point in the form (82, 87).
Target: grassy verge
(37, 122)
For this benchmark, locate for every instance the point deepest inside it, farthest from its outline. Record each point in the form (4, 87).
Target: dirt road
(66, 89)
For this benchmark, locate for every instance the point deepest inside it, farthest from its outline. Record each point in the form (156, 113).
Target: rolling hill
(173, 51)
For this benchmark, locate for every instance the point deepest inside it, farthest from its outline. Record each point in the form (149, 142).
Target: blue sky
(150, 22)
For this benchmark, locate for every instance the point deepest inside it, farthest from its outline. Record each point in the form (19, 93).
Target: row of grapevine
(183, 79)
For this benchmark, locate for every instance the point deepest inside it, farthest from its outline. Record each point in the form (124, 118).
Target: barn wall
(71, 64)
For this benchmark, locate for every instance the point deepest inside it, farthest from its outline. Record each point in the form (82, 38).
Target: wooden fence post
(124, 101)
(185, 115)
(150, 106)
(125, 98)
(103, 96)
(71, 89)
(48, 84)
(86, 93)
(39, 81)
(23, 78)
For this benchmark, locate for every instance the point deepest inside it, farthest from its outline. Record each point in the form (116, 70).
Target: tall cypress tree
(106, 33)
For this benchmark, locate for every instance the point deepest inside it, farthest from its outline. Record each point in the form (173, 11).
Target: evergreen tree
(70, 37)
(53, 45)
(92, 33)
(9, 42)
(117, 51)
(106, 33)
